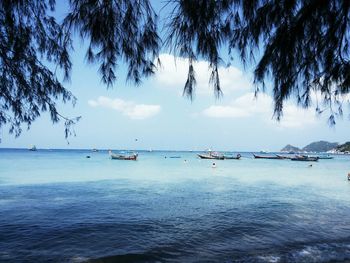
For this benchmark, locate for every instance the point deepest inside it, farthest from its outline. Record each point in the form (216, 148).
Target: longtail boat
(325, 157)
(132, 157)
(237, 157)
(211, 156)
(205, 156)
(272, 157)
(284, 156)
(304, 158)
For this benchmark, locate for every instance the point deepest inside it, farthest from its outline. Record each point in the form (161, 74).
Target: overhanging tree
(303, 48)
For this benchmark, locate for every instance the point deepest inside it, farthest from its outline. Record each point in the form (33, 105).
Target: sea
(59, 206)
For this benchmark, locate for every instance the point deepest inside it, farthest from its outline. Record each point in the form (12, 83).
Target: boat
(94, 150)
(175, 157)
(132, 157)
(218, 156)
(305, 158)
(32, 148)
(212, 156)
(283, 156)
(325, 157)
(237, 157)
(272, 157)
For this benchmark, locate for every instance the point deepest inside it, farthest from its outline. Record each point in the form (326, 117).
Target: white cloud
(262, 107)
(127, 108)
(243, 106)
(173, 74)
(296, 117)
(225, 112)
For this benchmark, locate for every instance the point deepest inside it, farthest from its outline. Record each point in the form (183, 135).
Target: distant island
(290, 148)
(344, 148)
(320, 146)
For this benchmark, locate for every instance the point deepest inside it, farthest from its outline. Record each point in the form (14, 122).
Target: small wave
(132, 257)
(79, 259)
(322, 253)
(317, 253)
(270, 259)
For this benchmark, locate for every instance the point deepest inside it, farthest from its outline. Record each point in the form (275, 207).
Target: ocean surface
(59, 206)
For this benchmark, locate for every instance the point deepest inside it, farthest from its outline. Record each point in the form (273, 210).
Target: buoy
(185, 161)
(88, 156)
(213, 165)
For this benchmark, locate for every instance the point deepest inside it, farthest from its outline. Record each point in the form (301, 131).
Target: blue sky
(158, 116)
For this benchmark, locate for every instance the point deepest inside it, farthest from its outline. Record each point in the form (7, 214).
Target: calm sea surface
(58, 206)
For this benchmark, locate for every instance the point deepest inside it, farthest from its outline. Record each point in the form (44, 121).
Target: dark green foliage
(30, 40)
(305, 47)
(301, 46)
(122, 30)
(344, 147)
(321, 146)
(198, 29)
(27, 87)
(304, 44)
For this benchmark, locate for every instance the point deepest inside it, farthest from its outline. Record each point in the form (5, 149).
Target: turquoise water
(57, 205)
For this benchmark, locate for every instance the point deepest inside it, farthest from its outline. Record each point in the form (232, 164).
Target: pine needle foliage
(301, 47)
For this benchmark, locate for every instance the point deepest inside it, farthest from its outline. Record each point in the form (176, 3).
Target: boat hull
(123, 157)
(232, 157)
(267, 157)
(284, 157)
(211, 157)
(307, 159)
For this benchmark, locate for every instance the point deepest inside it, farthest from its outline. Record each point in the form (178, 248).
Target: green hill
(290, 148)
(344, 147)
(321, 146)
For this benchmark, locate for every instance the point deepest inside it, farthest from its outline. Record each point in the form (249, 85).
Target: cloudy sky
(159, 117)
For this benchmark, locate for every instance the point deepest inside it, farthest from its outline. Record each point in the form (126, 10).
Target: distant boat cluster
(305, 158)
(220, 156)
(212, 155)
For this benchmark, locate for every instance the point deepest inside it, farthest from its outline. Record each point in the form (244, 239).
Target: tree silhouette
(303, 44)
(300, 47)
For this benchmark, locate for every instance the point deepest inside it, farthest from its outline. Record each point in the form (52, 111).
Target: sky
(155, 115)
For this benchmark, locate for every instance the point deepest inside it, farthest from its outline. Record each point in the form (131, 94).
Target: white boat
(132, 157)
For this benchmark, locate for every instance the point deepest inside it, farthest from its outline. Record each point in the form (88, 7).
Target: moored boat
(32, 148)
(205, 156)
(132, 157)
(218, 156)
(237, 157)
(211, 156)
(304, 158)
(283, 156)
(325, 157)
(272, 157)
